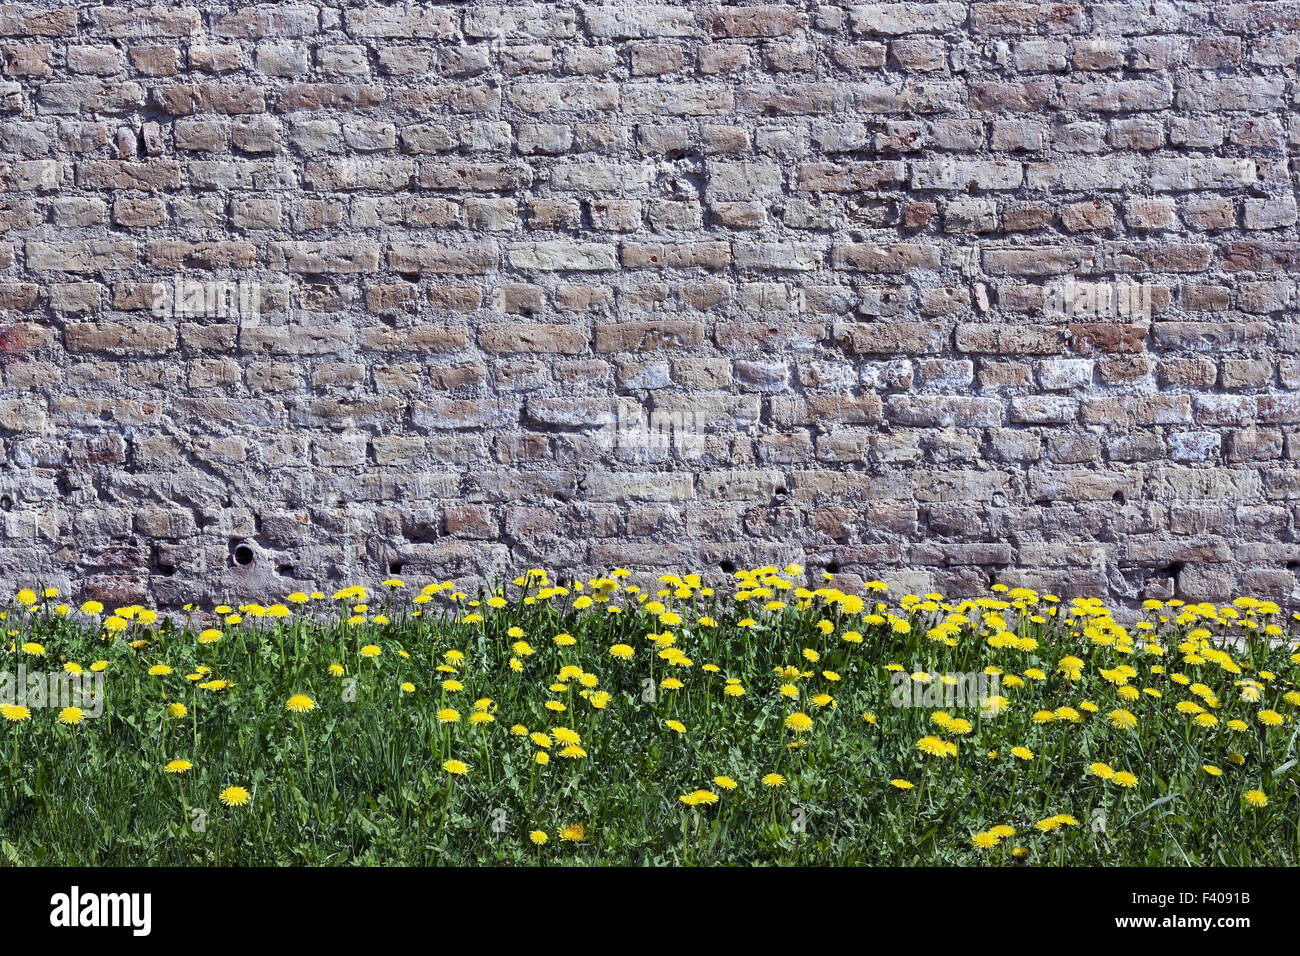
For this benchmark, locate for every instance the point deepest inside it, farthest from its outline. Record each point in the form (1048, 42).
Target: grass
(773, 721)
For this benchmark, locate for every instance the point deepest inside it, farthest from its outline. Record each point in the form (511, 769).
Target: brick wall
(941, 293)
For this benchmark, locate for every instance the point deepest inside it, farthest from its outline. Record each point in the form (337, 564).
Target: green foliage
(360, 777)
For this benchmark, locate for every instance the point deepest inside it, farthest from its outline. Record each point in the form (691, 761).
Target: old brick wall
(941, 293)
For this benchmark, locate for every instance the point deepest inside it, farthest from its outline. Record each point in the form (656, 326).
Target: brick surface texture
(939, 293)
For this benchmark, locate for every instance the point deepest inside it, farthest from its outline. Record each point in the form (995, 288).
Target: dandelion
(992, 706)
(71, 716)
(699, 798)
(1122, 719)
(455, 767)
(299, 704)
(178, 766)
(1071, 667)
(233, 796)
(1051, 824)
(799, 722)
(1256, 798)
(936, 747)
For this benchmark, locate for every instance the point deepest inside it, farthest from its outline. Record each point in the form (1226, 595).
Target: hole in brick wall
(1175, 569)
(6, 503)
(166, 570)
(1119, 499)
(284, 570)
(394, 567)
(833, 568)
(728, 567)
(243, 555)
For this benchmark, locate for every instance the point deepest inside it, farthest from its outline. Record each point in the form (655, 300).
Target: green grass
(360, 778)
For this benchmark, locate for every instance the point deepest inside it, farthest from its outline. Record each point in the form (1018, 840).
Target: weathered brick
(532, 337)
(900, 269)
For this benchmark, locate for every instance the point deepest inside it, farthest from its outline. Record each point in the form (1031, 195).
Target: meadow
(773, 720)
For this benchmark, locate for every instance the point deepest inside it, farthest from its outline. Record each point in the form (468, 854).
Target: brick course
(941, 293)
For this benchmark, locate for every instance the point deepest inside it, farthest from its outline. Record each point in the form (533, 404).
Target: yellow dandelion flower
(299, 704)
(799, 722)
(234, 796)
